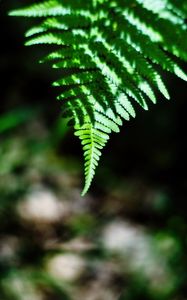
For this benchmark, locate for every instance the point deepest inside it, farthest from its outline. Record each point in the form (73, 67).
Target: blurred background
(127, 239)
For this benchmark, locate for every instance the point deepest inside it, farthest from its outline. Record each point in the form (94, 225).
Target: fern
(112, 51)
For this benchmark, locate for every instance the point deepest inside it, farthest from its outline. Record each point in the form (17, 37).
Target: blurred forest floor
(127, 239)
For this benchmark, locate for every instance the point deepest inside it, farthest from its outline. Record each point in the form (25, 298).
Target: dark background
(141, 178)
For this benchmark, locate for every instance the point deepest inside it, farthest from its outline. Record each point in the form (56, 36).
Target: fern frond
(93, 140)
(112, 52)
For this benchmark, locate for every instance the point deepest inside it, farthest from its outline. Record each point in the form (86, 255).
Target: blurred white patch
(139, 252)
(67, 266)
(41, 206)
(121, 237)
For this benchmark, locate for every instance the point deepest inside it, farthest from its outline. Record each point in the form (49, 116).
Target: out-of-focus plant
(56, 245)
(15, 118)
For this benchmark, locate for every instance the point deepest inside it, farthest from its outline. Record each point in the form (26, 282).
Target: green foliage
(110, 51)
(14, 118)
